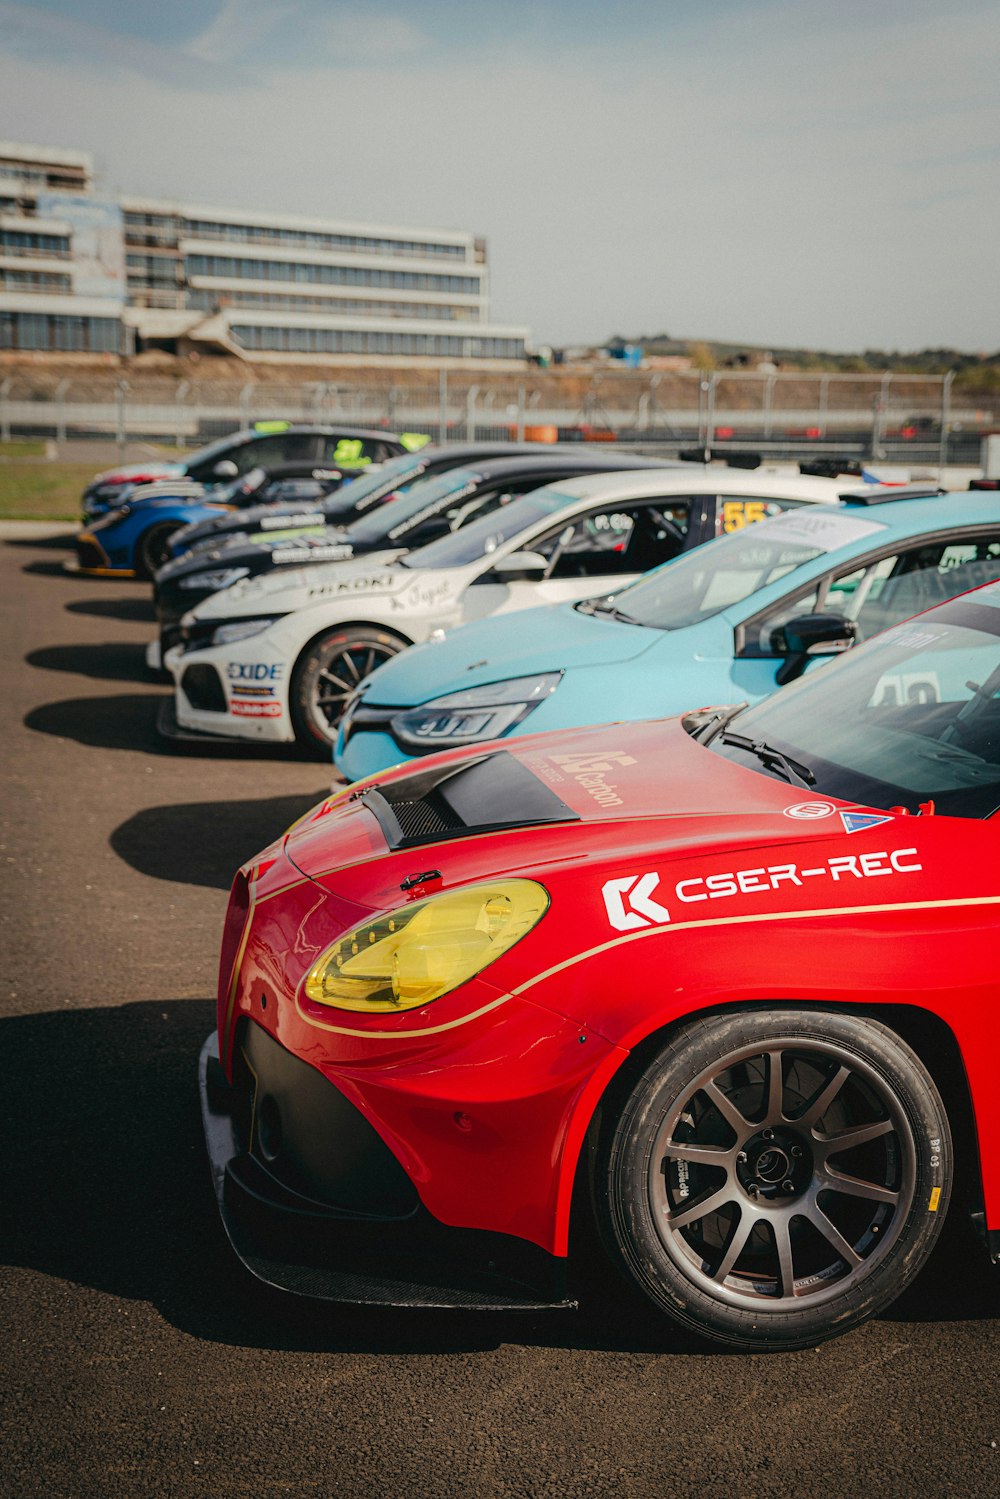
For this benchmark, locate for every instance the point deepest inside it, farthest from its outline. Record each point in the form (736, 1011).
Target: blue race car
(134, 538)
(725, 623)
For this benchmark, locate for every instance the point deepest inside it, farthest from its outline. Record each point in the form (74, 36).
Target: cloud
(364, 36)
(57, 40)
(239, 27)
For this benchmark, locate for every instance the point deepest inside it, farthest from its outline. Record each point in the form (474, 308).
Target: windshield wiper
(771, 757)
(602, 606)
(716, 722)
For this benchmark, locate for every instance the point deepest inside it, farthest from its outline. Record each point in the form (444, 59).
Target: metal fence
(777, 413)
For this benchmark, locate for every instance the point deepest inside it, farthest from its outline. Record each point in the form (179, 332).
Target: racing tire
(326, 674)
(775, 1177)
(153, 550)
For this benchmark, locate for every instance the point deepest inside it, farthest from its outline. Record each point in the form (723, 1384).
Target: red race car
(728, 982)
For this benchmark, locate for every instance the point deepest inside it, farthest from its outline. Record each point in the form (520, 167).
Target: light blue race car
(725, 623)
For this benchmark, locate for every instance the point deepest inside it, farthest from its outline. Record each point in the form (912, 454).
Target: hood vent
(484, 795)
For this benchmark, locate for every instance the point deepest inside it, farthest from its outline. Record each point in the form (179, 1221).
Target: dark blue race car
(133, 539)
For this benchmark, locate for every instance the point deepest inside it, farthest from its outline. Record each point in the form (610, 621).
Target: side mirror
(519, 567)
(803, 636)
(225, 469)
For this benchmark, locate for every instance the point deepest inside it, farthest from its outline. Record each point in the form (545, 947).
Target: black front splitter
(309, 1249)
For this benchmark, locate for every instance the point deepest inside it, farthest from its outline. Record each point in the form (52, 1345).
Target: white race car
(276, 658)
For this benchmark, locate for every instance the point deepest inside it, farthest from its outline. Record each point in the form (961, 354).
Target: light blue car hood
(552, 638)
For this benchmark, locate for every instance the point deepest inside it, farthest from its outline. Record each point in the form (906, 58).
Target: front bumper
(367, 752)
(315, 1204)
(92, 560)
(229, 692)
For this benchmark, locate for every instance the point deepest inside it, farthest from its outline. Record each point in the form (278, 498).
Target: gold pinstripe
(653, 931)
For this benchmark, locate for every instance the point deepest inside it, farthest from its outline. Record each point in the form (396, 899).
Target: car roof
(321, 429)
(563, 462)
(914, 511)
(701, 479)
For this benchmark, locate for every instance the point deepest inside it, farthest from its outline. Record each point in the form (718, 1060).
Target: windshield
(221, 448)
(484, 535)
(912, 717)
(426, 498)
(369, 487)
(711, 578)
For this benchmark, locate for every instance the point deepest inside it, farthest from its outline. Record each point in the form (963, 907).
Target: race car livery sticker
(243, 689)
(630, 904)
(856, 822)
(810, 811)
(590, 772)
(827, 531)
(764, 878)
(738, 514)
(367, 583)
(309, 551)
(291, 522)
(244, 709)
(255, 671)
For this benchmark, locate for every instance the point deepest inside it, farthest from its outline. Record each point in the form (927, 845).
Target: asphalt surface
(138, 1359)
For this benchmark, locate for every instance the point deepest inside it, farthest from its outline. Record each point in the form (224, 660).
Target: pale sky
(822, 173)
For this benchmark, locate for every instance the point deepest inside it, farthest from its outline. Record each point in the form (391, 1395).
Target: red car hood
(583, 792)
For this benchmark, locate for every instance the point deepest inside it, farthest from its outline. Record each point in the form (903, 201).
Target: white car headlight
(478, 713)
(242, 629)
(223, 577)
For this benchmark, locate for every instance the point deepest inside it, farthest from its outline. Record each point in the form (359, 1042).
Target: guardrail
(901, 418)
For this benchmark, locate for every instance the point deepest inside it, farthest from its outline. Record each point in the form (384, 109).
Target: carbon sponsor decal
(242, 708)
(629, 902)
(591, 773)
(810, 811)
(857, 822)
(255, 671)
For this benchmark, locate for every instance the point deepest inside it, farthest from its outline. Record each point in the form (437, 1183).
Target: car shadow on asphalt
(108, 1188)
(49, 569)
(63, 542)
(128, 722)
(114, 661)
(138, 611)
(168, 843)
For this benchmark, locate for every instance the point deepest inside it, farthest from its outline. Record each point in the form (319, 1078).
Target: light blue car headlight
(242, 629)
(223, 577)
(478, 713)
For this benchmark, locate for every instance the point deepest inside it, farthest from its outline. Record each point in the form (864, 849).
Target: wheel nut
(741, 1157)
(767, 1134)
(752, 1189)
(796, 1150)
(788, 1186)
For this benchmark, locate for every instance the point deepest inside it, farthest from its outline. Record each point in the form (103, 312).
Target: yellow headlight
(416, 954)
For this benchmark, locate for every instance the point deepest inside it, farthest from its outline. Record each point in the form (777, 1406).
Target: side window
(629, 539)
(734, 513)
(277, 447)
(923, 576)
(854, 594)
(878, 594)
(759, 632)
